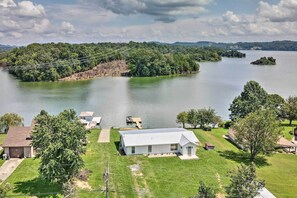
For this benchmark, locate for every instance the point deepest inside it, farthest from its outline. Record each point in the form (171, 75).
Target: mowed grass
(164, 177)
(288, 129)
(25, 181)
(97, 157)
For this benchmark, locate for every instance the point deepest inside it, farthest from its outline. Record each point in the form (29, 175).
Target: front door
(189, 150)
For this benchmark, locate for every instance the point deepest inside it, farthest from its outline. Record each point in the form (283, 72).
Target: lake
(156, 100)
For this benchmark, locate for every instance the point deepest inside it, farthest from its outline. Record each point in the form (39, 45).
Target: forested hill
(5, 47)
(273, 46)
(53, 61)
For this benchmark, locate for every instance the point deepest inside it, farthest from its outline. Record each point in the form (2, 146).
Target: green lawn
(96, 159)
(25, 181)
(288, 129)
(164, 177)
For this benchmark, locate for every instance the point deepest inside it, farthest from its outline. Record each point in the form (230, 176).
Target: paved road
(8, 167)
(104, 136)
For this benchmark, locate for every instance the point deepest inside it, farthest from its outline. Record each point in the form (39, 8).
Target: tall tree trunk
(290, 122)
(183, 125)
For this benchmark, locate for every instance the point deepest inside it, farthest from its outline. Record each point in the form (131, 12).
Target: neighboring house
(265, 193)
(17, 143)
(232, 138)
(281, 143)
(159, 141)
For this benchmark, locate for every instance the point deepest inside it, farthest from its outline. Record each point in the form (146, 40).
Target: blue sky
(76, 21)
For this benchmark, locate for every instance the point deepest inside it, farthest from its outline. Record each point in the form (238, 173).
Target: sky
(79, 21)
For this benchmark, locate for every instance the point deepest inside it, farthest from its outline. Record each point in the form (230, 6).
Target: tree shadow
(37, 187)
(242, 157)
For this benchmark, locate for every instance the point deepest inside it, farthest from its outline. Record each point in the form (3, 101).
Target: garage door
(16, 152)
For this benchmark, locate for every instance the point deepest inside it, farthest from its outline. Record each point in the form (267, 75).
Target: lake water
(156, 100)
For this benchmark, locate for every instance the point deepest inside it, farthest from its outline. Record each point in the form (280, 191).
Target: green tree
(290, 109)
(59, 141)
(193, 118)
(205, 191)
(258, 132)
(244, 182)
(252, 98)
(206, 117)
(182, 118)
(9, 120)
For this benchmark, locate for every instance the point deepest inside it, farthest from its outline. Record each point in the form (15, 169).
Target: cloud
(43, 26)
(7, 3)
(67, 27)
(17, 35)
(27, 8)
(285, 10)
(162, 10)
(231, 17)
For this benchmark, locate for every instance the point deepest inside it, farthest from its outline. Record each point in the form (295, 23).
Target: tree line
(52, 61)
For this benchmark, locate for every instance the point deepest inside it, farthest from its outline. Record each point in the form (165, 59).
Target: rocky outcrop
(113, 68)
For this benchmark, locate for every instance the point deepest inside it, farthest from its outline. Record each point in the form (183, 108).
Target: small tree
(182, 118)
(258, 132)
(193, 118)
(206, 117)
(59, 141)
(9, 120)
(205, 191)
(290, 109)
(244, 183)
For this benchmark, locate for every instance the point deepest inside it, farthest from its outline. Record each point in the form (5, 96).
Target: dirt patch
(82, 184)
(113, 68)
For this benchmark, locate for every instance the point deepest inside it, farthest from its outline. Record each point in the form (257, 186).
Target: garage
(16, 152)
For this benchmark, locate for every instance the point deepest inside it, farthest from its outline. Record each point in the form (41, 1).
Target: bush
(207, 128)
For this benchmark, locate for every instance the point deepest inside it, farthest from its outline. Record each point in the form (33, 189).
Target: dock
(134, 120)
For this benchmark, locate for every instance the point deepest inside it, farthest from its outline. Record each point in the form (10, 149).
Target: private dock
(134, 120)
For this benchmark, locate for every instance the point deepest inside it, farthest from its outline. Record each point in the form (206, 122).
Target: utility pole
(106, 177)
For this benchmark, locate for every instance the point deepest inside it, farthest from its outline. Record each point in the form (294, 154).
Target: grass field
(164, 177)
(25, 181)
(288, 129)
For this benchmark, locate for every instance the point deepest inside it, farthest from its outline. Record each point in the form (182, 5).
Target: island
(64, 61)
(265, 61)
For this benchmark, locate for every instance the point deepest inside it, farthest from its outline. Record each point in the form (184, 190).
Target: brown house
(17, 143)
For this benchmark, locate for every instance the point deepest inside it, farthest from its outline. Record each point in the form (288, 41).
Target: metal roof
(86, 113)
(158, 137)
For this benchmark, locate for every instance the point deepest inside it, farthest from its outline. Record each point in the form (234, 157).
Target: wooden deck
(134, 120)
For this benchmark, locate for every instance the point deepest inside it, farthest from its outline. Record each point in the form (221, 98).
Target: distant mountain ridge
(6, 47)
(285, 45)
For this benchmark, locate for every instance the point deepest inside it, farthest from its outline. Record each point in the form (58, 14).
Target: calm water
(156, 100)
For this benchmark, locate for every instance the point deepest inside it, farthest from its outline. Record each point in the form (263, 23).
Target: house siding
(155, 149)
(184, 150)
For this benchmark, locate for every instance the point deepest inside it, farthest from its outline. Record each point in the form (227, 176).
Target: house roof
(16, 137)
(158, 137)
(86, 113)
(284, 142)
(265, 193)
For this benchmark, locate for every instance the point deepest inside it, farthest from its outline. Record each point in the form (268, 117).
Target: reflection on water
(156, 100)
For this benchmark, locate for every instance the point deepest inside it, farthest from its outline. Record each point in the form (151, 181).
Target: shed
(17, 143)
(209, 146)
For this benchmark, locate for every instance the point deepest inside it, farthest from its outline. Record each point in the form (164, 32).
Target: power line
(73, 62)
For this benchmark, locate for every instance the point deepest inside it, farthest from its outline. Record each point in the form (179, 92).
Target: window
(133, 149)
(173, 147)
(149, 148)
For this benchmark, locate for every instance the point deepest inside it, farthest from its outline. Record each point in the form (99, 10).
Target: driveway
(8, 167)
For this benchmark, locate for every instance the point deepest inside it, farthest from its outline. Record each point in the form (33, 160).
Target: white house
(159, 141)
